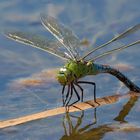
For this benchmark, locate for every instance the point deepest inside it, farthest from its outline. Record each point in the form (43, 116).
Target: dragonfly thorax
(72, 71)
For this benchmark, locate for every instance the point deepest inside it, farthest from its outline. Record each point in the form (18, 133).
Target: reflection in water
(73, 131)
(126, 109)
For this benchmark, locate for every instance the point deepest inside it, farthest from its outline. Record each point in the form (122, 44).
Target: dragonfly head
(65, 76)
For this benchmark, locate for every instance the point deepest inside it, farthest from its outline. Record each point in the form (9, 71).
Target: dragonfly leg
(67, 95)
(63, 89)
(81, 91)
(78, 97)
(91, 83)
(71, 93)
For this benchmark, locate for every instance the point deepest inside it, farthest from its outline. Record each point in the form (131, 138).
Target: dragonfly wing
(115, 50)
(38, 42)
(122, 35)
(67, 38)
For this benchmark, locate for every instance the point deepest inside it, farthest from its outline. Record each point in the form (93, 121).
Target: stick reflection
(75, 130)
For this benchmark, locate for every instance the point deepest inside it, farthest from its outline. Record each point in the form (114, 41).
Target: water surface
(96, 21)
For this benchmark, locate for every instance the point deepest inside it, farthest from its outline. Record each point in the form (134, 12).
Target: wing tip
(6, 33)
(47, 18)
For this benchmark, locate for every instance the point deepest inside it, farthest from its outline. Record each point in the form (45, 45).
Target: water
(28, 85)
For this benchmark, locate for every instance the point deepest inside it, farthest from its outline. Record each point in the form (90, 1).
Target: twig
(61, 110)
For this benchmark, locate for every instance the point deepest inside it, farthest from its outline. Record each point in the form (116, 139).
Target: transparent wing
(63, 34)
(38, 42)
(115, 50)
(120, 36)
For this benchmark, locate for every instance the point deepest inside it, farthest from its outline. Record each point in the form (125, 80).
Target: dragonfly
(76, 67)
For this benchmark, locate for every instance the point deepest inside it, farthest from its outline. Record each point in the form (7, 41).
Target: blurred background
(27, 76)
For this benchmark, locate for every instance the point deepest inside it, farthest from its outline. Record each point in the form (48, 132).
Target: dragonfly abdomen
(118, 75)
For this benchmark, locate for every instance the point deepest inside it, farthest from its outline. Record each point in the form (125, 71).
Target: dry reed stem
(61, 110)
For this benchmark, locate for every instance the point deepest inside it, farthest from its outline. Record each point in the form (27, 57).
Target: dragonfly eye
(62, 70)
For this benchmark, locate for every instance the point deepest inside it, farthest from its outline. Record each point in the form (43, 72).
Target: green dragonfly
(66, 47)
